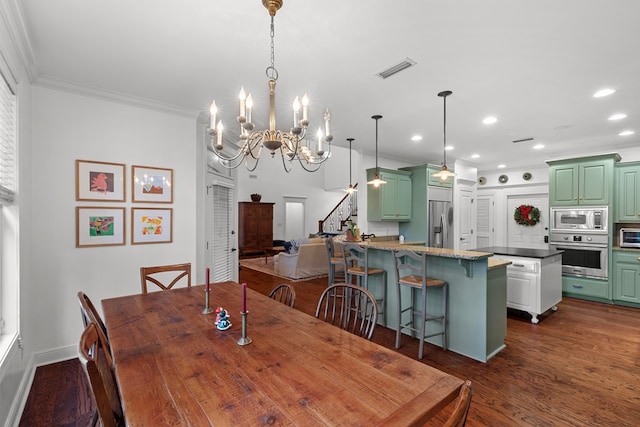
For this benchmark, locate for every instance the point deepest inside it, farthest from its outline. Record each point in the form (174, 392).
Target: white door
(486, 220)
(466, 218)
(294, 218)
(527, 236)
(221, 254)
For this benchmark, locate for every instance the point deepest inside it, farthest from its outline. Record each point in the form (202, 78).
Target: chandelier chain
(271, 72)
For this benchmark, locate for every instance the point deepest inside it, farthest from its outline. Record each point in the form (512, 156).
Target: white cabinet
(534, 285)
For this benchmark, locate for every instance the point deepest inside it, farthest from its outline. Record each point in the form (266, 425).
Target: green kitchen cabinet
(435, 181)
(627, 202)
(586, 181)
(390, 201)
(586, 288)
(626, 276)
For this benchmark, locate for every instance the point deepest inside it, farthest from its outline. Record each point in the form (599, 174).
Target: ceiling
(532, 65)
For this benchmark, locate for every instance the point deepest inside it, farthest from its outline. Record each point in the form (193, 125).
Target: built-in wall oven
(582, 234)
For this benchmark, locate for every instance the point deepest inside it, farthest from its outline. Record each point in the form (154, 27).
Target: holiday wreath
(527, 215)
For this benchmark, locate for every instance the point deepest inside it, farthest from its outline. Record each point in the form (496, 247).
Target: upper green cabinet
(432, 180)
(390, 201)
(587, 181)
(627, 207)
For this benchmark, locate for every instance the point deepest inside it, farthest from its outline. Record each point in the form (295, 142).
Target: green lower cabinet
(585, 288)
(626, 277)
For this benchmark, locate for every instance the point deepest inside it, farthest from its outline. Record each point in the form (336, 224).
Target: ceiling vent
(402, 65)
(522, 140)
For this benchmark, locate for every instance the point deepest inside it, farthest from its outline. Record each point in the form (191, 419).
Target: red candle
(244, 297)
(207, 279)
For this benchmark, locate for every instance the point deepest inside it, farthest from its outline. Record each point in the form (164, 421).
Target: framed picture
(99, 226)
(151, 225)
(151, 185)
(100, 181)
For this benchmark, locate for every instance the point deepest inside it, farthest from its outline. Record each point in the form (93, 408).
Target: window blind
(7, 143)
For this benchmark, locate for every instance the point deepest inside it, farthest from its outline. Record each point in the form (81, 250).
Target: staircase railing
(341, 213)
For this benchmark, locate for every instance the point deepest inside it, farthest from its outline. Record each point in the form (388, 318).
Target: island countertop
(392, 245)
(522, 252)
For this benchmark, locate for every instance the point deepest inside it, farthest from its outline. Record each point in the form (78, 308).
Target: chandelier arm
(246, 164)
(253, 142)
(284, 161)
(229, 159)
(309, 169)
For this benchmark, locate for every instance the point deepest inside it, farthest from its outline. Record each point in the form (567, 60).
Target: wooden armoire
(255, 226)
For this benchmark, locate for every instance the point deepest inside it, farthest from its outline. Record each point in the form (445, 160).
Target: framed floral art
(151, 225)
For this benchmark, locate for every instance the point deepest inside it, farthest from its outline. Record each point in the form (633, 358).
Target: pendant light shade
(444, 173)
(376, 181)
(350, 189)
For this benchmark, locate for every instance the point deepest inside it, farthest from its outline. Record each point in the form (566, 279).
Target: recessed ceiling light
(618, 116)
(502, 166)
(538, 146)
(416, 138)
(626, 133)
(489, 120)
(603, 92)
(449, 147)
(475, 156)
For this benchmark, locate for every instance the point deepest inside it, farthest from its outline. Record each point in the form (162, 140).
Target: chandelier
(292, 145)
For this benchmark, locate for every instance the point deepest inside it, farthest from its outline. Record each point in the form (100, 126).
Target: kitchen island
(476, 309)
(534, 278)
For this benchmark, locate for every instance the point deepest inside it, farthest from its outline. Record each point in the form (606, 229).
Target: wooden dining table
(174, 367)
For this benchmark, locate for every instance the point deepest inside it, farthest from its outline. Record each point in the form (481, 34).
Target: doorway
(294, 217)
(528, 236)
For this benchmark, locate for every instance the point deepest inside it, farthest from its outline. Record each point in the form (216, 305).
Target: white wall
(67, 127)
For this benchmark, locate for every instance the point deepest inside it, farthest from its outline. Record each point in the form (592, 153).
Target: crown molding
(119, 97)
(12, 16)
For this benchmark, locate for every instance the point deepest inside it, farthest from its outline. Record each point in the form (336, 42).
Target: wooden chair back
(458, 417)
(349, 307)
(97, 364)
(285, 294)
(181, 270)
(90, 315)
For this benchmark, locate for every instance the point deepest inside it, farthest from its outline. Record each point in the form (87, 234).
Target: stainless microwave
(630, 238)
(582, 219)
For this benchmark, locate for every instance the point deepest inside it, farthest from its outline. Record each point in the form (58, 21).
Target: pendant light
(376, 181)
(351, 189)
(444, 173)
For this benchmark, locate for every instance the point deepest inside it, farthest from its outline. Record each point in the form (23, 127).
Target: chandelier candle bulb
(296, 110)
(320, 152)
(305, 104)
(243, 99)
(327, 127)
(249, 107)
(219, 131)
(213, 110)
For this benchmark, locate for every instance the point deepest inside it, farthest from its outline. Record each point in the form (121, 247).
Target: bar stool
(417, 280)
(336, 260)
(356, 262)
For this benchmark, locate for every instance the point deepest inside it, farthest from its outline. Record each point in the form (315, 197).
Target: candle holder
(244, 339)
(207, 309)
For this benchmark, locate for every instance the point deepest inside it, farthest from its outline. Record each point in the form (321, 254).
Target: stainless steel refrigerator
(440, 217)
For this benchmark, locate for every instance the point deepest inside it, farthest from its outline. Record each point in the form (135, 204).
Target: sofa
(310, 260)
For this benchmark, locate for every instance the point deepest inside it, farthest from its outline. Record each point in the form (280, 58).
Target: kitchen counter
(476, 300)
(620, 248)
(521, 252)
(420, 248)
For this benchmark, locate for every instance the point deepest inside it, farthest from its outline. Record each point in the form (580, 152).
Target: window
(7, 196)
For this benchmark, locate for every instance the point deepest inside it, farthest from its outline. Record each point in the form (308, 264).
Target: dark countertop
(521, 252)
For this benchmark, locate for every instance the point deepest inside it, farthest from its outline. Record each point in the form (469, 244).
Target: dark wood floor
(579, 367)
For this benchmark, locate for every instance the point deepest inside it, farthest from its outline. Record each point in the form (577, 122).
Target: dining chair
(161, 274)
(349, 307)
(90, 315)
(458, 417)
(356, 262)
(96, 361)
(285, 294)
(415, 264)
